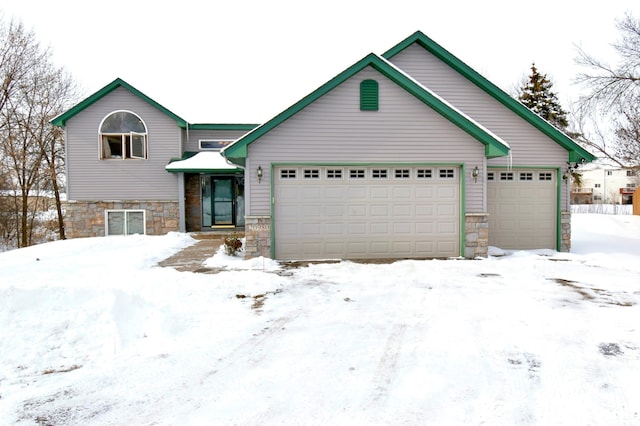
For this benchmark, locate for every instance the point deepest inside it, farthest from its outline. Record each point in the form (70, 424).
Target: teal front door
(222, 201)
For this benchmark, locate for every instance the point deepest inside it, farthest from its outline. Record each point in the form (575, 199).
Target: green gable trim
(222, 126)
(62, 118)
(368, 95)
(237, 152)
(576, 152)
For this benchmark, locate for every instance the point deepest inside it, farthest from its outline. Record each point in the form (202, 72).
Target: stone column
(257, 232)
(476, 230)
(565, 231)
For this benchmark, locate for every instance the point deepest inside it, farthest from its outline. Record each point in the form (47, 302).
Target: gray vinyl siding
(529, 146)
(333, 130)
(90, 178)
(194, 136)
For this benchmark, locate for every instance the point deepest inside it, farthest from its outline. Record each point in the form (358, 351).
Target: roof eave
(575, 151)
(61, 119)
(237, 152)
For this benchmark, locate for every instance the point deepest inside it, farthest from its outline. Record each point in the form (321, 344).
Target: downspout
(182, 197)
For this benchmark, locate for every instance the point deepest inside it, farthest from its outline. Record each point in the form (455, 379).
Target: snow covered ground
(93, 333)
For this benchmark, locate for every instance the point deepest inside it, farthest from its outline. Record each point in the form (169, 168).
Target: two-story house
(603, 183)
(409, 154)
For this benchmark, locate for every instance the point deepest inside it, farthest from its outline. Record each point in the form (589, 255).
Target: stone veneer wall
(86, 218)
(476, 240)
(257, 232)
(565, 231)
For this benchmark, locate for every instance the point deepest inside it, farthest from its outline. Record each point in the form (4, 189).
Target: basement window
(124, 222)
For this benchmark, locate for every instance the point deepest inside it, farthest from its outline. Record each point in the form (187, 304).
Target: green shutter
(369, 95)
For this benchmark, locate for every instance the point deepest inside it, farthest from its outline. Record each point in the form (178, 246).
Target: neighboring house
(411, 154)
(603, 183)
(133, 166)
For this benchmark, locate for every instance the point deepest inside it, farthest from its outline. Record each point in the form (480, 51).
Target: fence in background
(602, 208)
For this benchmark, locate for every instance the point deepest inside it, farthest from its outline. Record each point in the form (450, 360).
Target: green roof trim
(576, 152)
(237, 152)
(62, 118)
(222, 126)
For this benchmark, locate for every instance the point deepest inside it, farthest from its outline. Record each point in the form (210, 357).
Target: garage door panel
(522, 211)
(424, 228)
(380, 228)
(400, 210)
(379, 192)
(334, 229)
(368, 217)
(357, 192)
(356, 229)
(402, 193)
(402, 228)
(380, 210)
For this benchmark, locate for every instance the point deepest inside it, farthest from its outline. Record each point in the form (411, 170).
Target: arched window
(123, 135)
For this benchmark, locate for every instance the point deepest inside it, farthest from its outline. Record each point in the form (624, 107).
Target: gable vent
(369, 95)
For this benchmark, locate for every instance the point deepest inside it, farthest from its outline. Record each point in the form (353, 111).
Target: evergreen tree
(539, 98)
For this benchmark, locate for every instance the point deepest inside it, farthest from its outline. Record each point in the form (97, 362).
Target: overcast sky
(245, 61)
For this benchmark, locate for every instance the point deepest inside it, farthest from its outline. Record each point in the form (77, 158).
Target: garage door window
(312, 174)
(334, 174)
(446, 174)
(526, 176)
(356, 173)
(288, 173)
(402, 174)
(546, 176)
(490, 176)
(379, 173)
(506, 175)
(424, 173)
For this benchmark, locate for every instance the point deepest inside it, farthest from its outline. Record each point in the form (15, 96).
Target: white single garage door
(522, 208)
(354, 212)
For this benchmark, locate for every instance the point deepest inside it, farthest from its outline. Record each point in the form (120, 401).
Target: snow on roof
(447, 103)
(205, 160)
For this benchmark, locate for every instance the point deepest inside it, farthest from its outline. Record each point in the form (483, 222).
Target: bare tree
(614, 98)
(31, 149)
(18, 51)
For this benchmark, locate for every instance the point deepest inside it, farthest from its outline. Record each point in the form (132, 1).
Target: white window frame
(221, 142)
(126, 212)
(134, 137)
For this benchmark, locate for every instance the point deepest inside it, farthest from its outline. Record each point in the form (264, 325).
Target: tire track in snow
(252, 349)
(387, 366)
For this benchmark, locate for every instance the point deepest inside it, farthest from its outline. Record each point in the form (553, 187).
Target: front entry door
(222, 199)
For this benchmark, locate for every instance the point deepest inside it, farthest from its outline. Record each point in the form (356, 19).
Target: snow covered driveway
(528, 338)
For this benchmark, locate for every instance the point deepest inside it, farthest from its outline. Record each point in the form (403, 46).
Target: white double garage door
(357, 212)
